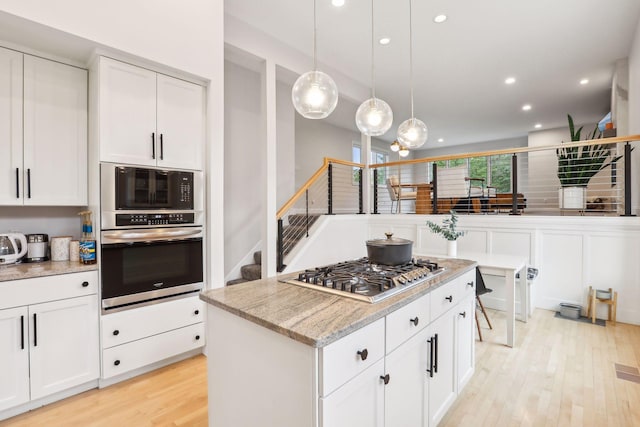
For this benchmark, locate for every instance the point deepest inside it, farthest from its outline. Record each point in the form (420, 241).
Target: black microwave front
(134, 196)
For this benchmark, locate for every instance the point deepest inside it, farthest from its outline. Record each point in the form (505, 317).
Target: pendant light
(374, 116)
(314, 94)
(395, 146)
(403, 152)
(412, 133)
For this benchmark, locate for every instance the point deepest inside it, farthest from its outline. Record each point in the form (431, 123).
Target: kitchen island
(284, 355)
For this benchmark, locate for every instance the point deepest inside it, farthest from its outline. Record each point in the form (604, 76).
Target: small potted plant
(449, 232)
(577, 165)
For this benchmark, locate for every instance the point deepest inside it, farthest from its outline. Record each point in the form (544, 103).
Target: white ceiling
(460, 65)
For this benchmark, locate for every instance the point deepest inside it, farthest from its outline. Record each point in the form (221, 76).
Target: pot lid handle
(389, 235)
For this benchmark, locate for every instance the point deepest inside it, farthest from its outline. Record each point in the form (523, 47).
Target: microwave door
(134, 188)
(162, 190)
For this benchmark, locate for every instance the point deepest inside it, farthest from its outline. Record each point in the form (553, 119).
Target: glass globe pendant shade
(412, 133)
(395, 146)
(314, 95)
(374, 117)
(403, 152)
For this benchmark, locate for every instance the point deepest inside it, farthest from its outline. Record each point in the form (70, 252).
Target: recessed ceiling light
(439, 19)
(440, 139)
(384, 41)
(510, 80)
(337, 3)
(537, 126)
(584, 81)
(526, 107)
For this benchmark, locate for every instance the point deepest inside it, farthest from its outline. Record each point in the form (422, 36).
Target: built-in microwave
(142, 197)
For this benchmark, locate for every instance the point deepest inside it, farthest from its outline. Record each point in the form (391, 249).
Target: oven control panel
(124, 220)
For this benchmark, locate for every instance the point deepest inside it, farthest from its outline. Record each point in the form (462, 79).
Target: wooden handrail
(602, 141)
(310, 182)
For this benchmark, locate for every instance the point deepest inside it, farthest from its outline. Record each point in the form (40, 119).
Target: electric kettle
(10, 251)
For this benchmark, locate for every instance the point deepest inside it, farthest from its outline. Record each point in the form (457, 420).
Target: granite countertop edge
(273, 304)
(42, 269)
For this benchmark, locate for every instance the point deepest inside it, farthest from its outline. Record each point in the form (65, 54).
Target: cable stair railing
(335, 188)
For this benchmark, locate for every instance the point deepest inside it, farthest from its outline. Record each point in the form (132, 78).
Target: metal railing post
(306, 196)
(280, 258)
(330, 190)
(627, 180)
(434, 188)
(375, 191)
(360, 195)
(514, 185)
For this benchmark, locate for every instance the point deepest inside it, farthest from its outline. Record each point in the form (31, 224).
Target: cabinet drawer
(127, 357)
(37, 290)
(345, 358)
(405, 322)
(130, 325)
(444, 298)
(466, 285)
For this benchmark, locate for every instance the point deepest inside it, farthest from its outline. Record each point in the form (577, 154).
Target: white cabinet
(47, 347)
(359, 403)
(442, 385)
(407, 391)
(14, 357)
(465, 335)
(43, 137)
(139, 337)
(150, 119)
(10, 127)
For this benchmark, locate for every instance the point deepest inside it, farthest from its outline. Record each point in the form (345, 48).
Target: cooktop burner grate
(365, 281)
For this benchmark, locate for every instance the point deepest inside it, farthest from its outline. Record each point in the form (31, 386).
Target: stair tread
(236, 281)
(251, 271)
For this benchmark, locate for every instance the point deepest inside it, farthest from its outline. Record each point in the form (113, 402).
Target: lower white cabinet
(442, 384)
(139, 337)
(47, 347)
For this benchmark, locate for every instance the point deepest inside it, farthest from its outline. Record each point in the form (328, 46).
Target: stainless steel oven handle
(149, 235)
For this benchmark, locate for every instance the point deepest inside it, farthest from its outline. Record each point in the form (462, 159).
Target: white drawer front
(466, 285)
(130, 325)
(444, 298)
(36, 290)
(127, 357)
(343, 359)
(405, 322)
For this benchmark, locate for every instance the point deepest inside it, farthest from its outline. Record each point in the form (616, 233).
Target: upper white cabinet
(43, 131)
(150, 119)
(10, 127)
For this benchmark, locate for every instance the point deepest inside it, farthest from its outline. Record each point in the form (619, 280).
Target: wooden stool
(612, 302)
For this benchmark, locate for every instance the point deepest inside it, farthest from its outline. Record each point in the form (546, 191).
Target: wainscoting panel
(561, 269)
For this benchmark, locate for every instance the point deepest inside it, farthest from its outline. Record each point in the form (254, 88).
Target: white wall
(54, 221)
(243, 165)
(470, 148)
(634, 114)
(286, 147)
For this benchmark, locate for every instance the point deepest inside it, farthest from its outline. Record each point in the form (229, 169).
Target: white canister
(60, 248)
(74, 251)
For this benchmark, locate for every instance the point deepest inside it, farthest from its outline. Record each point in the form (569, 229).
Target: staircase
(250, 272)
(291, 235)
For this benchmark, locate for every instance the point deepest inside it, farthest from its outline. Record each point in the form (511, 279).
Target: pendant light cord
(410, 55)
(315, 29)
(373, 61)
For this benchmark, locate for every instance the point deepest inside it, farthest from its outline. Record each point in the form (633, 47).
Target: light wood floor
(561, 373)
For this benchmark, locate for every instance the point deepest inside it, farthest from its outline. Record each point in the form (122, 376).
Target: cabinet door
(14, 357)
(180, 123)
(405, 396)
(64, 344)
(465, 336)
(442, 386)
(358, 403)
(127, 115)
(55, 133)
(11, 188)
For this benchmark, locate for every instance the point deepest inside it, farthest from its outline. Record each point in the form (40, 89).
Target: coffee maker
(37, 248)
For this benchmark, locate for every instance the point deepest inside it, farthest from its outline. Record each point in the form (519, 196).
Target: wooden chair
(481, 289)
(612, 302)
(397, 192)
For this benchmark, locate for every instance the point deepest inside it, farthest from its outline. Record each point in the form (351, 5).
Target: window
(377, 157)
(496, 170)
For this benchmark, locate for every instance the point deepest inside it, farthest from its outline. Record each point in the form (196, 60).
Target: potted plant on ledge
(576, 167)
(449, 232)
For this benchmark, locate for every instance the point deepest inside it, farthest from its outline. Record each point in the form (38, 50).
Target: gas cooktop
(362, 280)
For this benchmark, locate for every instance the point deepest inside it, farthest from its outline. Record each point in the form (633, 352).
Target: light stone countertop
(40, 269)
(313, 317)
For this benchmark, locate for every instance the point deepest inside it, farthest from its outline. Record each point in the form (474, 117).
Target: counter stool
(611, 301)
(481, 289)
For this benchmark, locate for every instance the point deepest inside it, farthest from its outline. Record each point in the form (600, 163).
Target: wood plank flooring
(561, 373)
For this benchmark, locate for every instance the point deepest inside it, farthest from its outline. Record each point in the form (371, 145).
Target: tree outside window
(501, 172)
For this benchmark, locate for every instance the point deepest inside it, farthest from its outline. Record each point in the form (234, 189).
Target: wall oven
(151, 236)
